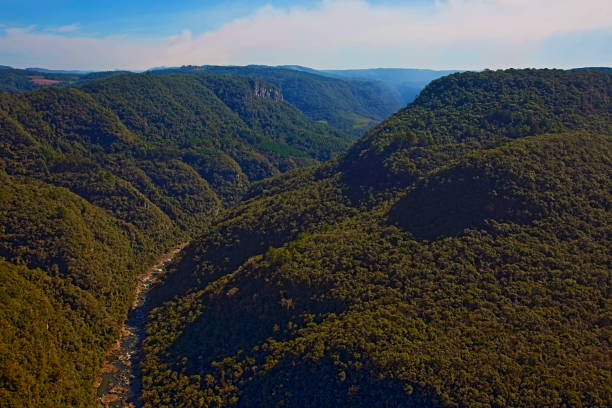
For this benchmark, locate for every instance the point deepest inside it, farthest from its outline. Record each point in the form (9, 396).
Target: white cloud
(58, 51)
(345, 33)
(68, 28)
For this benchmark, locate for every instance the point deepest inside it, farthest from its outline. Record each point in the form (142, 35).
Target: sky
(324, 34)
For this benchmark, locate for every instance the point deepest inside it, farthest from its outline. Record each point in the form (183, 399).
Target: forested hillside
(472, 110)
(348, 105)
(457, 256)
(95, 183)
(352, 106)
(67, 271)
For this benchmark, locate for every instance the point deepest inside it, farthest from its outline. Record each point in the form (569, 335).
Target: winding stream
(119, 384)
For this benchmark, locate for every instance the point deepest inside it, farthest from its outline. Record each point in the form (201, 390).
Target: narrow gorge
(119, 383)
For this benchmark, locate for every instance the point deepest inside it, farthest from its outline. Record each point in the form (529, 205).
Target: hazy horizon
(323, 34)
(71, 69)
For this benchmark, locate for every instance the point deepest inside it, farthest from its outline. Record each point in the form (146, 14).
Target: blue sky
(144, 17)
(461, 34)
(141, 17)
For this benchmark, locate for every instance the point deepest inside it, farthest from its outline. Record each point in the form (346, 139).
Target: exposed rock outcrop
(263, 91)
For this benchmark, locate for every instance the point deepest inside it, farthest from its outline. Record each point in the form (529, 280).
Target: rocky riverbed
(119, 383)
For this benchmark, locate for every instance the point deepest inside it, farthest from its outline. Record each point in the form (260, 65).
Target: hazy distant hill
(457, 256)
(22, 80)
(58, 71)
(406, 82)
(602, 69)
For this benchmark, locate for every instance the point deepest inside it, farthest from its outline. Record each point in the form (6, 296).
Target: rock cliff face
(263, 91)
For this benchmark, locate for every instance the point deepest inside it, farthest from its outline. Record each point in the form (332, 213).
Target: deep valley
(348, 246)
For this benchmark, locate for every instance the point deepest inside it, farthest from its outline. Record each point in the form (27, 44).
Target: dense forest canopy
(350, 105)
(347, 105)
(97, 181)
(458, 255)
(473, 110)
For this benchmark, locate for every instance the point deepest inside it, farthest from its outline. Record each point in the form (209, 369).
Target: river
(119, 383)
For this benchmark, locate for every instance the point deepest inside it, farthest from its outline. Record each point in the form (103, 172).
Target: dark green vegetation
(457, 256)
(95, 183)
(476, 110)
(351, 106)
(66, 274)
(348, 105)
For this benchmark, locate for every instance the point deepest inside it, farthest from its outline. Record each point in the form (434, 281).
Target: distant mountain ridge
(407, 82)
(58, 71)
(601, 69)
(22, 80)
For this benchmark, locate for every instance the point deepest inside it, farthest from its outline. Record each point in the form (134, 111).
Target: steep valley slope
(96, 182)
(457, 256)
